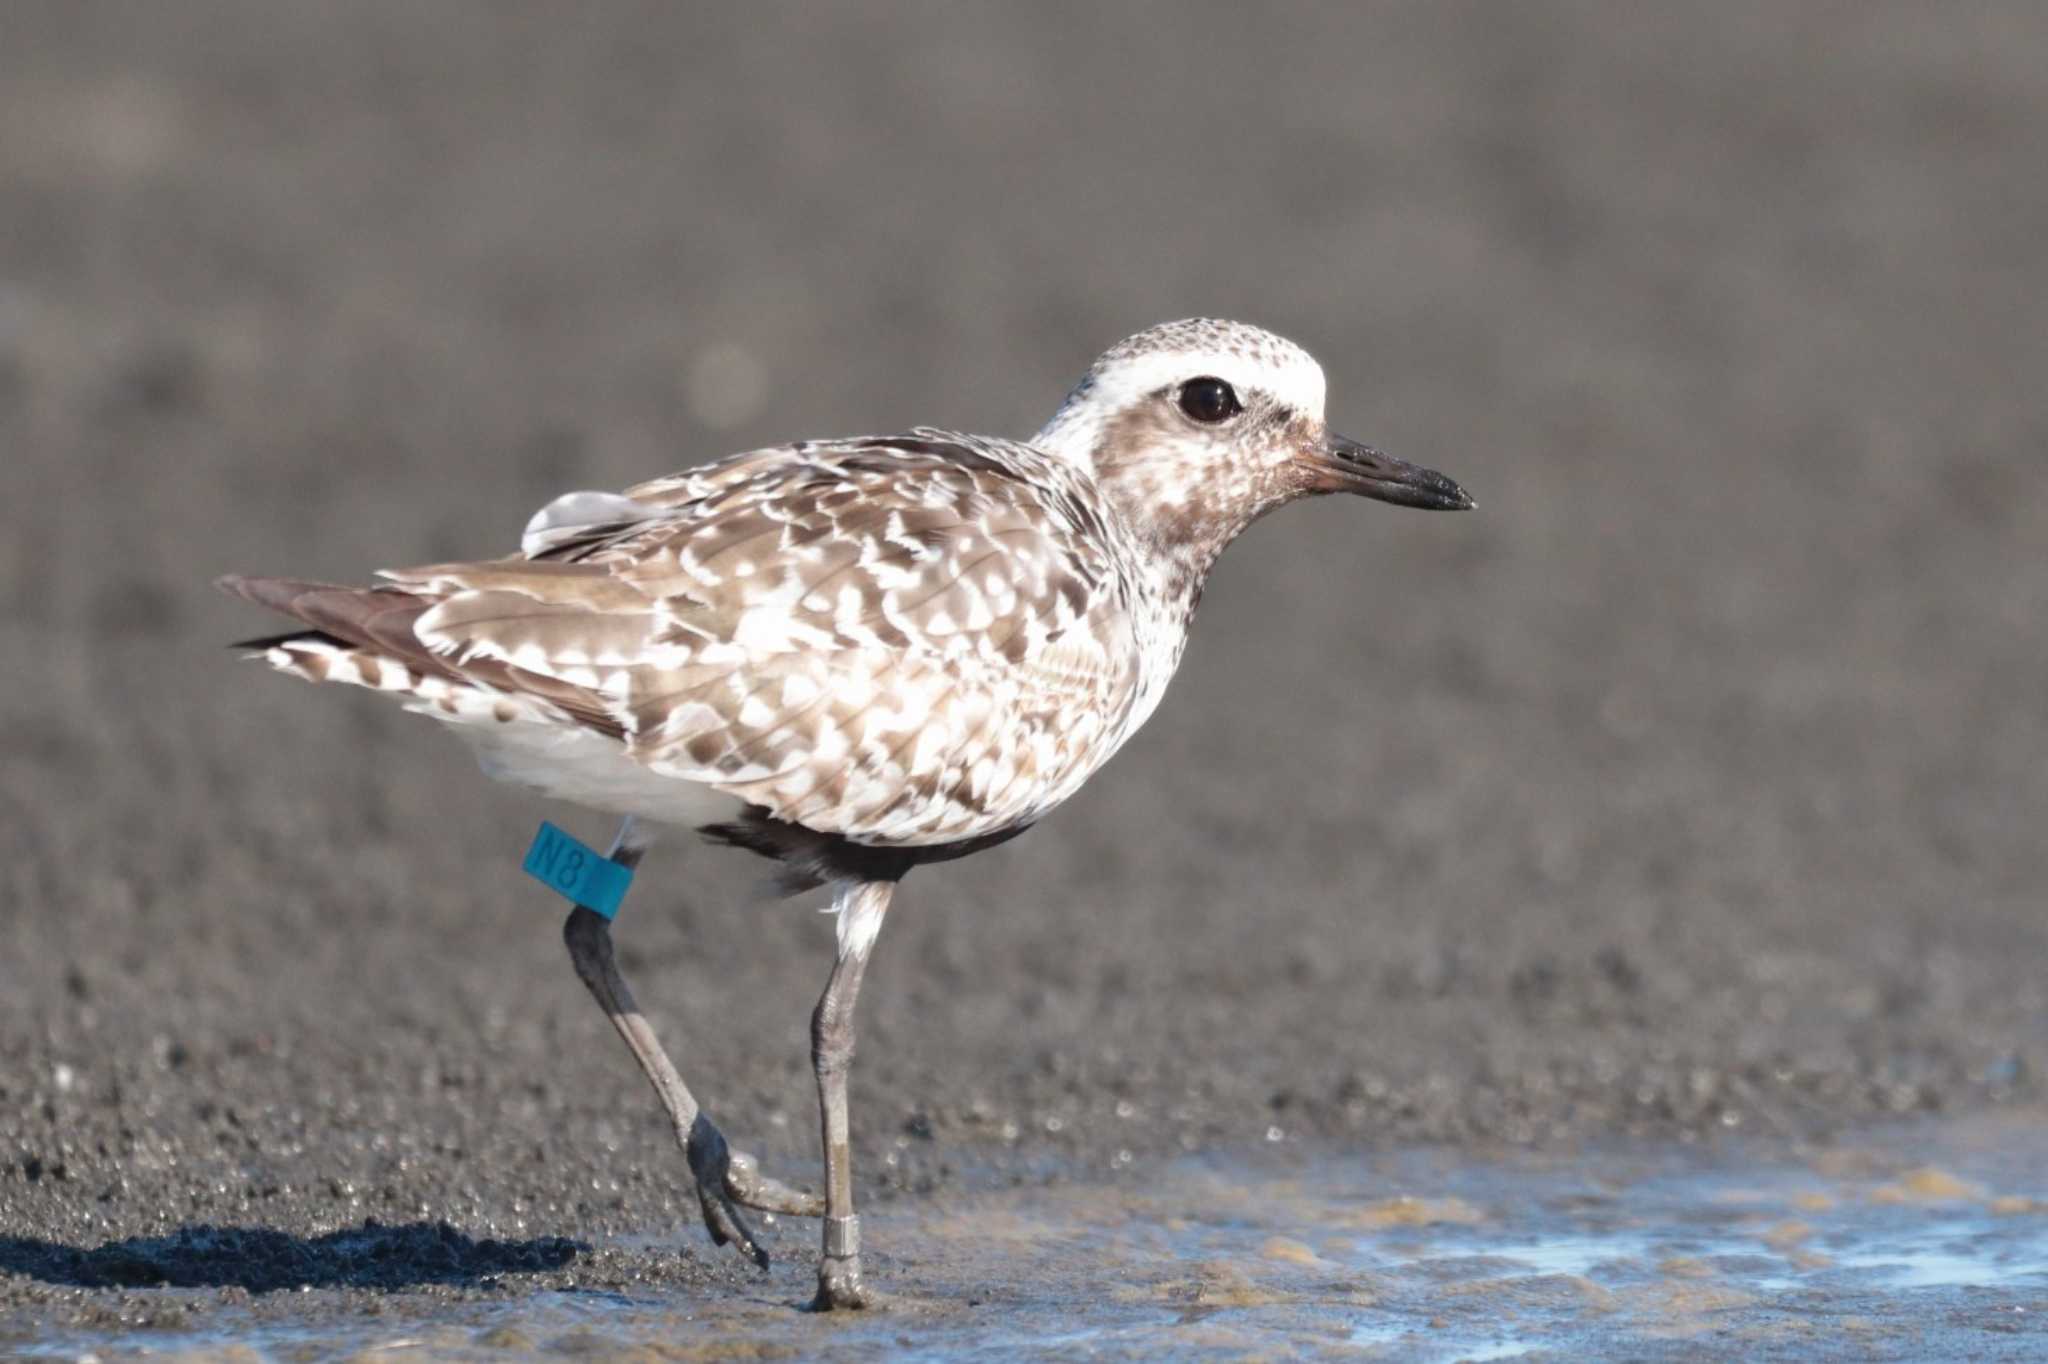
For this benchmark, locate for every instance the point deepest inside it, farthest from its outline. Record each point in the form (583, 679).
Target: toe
(727, 1227)
(751, 1189)
(711, 1164)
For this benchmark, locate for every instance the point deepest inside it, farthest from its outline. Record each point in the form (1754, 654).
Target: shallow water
(1920, 1243)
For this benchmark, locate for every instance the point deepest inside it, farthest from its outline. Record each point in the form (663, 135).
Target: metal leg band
(842, 1237)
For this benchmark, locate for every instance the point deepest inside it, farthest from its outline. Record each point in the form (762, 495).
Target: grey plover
(851, 656)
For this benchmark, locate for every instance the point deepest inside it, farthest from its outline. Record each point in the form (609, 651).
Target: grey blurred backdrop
(1694, 782)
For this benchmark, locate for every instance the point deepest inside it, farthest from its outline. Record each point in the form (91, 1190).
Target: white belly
(592, 770)
(519, 739)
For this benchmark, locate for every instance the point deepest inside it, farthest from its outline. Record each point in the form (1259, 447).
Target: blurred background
(1693, 784)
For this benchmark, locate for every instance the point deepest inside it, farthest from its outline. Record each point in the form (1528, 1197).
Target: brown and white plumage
(913, 640)
(853, 655)
(903, 641)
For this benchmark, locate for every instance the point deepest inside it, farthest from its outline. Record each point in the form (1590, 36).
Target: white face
(1269, 378)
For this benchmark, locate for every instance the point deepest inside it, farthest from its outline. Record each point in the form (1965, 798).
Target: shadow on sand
(264, 1261)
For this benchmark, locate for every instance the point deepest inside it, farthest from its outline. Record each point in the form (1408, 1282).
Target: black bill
(1347, 466)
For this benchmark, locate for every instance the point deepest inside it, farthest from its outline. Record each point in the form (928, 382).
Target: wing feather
(887, 639)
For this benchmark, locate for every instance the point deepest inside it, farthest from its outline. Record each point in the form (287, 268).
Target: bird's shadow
(260, 1260)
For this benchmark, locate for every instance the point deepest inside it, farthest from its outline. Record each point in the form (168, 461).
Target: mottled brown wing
(900, 641)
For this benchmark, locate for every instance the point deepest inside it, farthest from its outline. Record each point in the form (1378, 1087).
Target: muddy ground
(1692, 786)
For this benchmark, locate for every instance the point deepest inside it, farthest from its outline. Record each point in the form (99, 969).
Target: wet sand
(1928, 1240)
(1689, 791)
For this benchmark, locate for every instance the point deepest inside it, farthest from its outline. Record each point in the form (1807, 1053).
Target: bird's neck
(1176, 535)
(1180, 505)
(1183, 516)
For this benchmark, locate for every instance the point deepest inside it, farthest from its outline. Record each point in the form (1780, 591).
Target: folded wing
(905, 640)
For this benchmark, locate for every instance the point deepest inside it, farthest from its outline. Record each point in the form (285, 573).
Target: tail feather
(378, 620)
(366, 635)
(276, 594)
(264, 643)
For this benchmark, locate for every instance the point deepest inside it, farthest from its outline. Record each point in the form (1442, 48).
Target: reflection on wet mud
(1924, 1243)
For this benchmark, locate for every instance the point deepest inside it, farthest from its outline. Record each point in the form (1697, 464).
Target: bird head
(1198, 428)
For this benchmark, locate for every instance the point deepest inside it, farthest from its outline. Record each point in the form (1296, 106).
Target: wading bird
(851, 656)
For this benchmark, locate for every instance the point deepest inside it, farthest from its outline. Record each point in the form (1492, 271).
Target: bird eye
(1209, 400)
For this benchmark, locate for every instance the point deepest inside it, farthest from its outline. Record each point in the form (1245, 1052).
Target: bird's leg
(724, 1178)
(861, 907)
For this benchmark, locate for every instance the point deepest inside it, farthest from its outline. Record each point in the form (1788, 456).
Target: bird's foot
(751, 1189)
(730, 1180)
(839, 1283)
